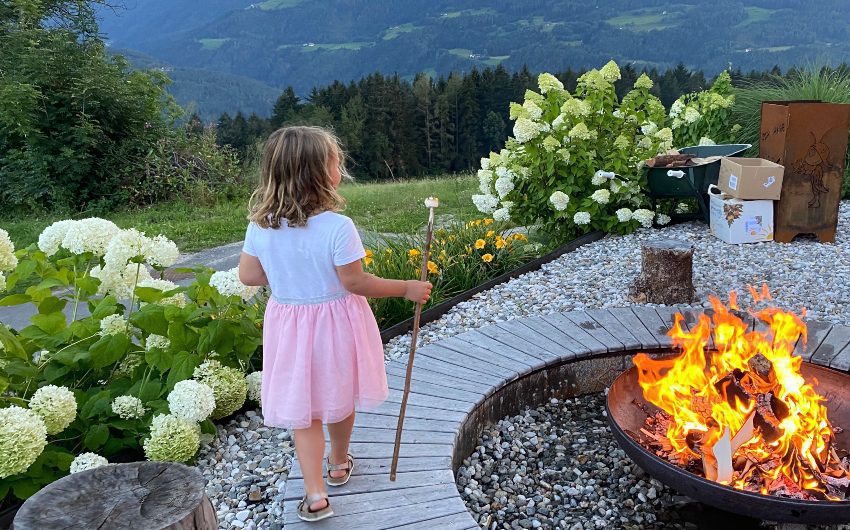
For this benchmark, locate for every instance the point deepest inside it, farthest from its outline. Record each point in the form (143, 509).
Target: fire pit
(732, 419)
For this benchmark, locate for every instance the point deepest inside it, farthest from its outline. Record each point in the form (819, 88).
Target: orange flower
(500, 243)
(488, 222)
(413, 253)
(520, 237)
(368, 259)
(479, 244)
(487, 258)
(489, 233)
(432, 267)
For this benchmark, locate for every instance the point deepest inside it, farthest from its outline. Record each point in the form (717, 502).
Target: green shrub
(824, 84)
(703, 118)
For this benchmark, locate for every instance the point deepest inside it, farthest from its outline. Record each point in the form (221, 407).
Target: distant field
(212, 44)
(270, 5)
(468, 12)
(756, 14)
(395, 31)
(336, 46)
(649, 19)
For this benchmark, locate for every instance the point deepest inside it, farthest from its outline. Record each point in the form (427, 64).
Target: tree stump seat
(666, 275)
(135, 496)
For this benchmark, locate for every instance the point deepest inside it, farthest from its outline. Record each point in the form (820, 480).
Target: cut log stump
(666, 275)
(135, 496)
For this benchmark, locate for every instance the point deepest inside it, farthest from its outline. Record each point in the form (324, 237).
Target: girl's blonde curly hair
(295, 177)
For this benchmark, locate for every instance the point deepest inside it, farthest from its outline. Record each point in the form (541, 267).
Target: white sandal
(348, 467)
(306, 514)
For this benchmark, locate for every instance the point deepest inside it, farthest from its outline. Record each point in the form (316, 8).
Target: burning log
(666, 275)
(762, 367)
(770, 411)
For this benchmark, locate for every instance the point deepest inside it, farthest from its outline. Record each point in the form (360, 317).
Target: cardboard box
(751, 178)
(740, 221)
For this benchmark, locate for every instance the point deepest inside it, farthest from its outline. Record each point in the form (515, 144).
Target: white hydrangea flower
(692, 115)
(598, 179)
(682, 207)
(617, 114)
(565, 155)
(551, 144)
(191, 400)
(126, 245)
(56, 405)
(90, 235)
(558, 121)
(227, 283)
(534, 111)
(624, 215)
(255, 385)
(128, 407)
(485, 163)
(503, 213)
(502, 172)
(172, 439)
(162, 252)
(581, 218)
(623, 143)
(581, 132)
(644, 217)
(548, 83)
(177, 299)
(157, 341)
(677, 108)
(122, 281)
(645, 143)
(504, 185)
(485, 203)
(23, 437)
(525, 130)
(610, 72)
(50, 239)
(602, 196)
(705, 140)
(8, 260)
(88, 461)
(113, 325)
(643, 82)
(649, 128)
(559, 200)
(662, 219)
(485, 177)
(2, 282)
(575, 107)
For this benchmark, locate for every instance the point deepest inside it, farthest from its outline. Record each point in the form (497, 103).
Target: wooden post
(149, 495)
(666, 275)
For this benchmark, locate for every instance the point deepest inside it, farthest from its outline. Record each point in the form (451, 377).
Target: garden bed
(435, 312)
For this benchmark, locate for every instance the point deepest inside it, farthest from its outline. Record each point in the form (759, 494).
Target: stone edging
(462, 383)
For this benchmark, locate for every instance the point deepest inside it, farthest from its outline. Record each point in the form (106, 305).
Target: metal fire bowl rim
(724, 497)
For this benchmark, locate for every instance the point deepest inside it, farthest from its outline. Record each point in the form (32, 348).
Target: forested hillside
(310, 43)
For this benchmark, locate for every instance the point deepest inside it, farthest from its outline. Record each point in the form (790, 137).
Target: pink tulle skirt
(320, 362)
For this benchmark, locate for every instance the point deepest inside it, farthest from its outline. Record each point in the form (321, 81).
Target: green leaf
(149, 294)
(20, 368)
(50, 283)
(105, 307)
(184, 364)
(208, 427)
(96, 404)
(51, 323)
(24, 489)
(53, 372)
(150, 391)
(159, 359)
(96, 437)
(151, 319)
(51, 304)
(108, 350)
(15, 299)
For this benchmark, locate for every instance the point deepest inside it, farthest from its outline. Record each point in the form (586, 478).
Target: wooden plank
(614, 327)
(378, 482)
(460, 521)
(842, 360)
(836, 340)
(595, 329)
(418, 411)
(817, 331)
(442, 403)
(387, 435)
(465, 363)
(474, 344)
(417, 386)
(387, 518)
(692, 318)
(505, 343)
(589, 344)
(625, 317)
(427, 376)
(344, 505)
(388, 421)
(667, 314)
(653, 323)
(381, 466)
(544, 347)
(540, 325)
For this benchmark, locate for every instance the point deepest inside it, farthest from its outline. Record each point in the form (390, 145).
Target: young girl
(322, 352)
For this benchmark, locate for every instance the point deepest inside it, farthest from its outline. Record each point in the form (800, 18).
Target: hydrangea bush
(704, 118)
(104, 372)
(574, 163)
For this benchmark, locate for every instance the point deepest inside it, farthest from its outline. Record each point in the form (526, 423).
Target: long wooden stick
(431, 203)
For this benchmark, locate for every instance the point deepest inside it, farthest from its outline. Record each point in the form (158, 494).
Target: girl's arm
(251, 271)
(356, 281)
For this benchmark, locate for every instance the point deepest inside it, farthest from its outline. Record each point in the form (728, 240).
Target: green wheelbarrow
(691, 182)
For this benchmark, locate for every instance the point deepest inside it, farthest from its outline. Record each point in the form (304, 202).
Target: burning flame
(710, 388)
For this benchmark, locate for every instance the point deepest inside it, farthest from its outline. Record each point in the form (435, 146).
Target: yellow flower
(369, 253)
(413, 253)
(489, 233)
(367, 261)
(389, 251)
(487, 258)
(432, 267)
(477, 222)
(520, 237)
(488, 222)
(479, 244)
(452, 238)
(468, 249)
(443, 256)
(500, 243)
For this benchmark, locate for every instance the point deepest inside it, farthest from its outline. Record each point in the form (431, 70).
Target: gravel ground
(802, 274)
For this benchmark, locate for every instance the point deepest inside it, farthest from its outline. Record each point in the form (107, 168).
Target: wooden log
(137, 496)
(666, 275)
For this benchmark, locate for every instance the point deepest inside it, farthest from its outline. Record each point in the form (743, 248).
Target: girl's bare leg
(310, 448)
(340, 434)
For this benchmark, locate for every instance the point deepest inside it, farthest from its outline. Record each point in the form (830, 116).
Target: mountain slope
(307, 43)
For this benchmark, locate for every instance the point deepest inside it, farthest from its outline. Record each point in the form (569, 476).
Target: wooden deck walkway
(454, 376)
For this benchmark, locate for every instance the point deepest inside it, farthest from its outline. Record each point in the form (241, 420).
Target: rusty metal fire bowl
(626, 418)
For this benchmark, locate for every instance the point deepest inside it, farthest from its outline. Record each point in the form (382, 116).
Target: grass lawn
(270, 5)
(212, 44)
(391, 207)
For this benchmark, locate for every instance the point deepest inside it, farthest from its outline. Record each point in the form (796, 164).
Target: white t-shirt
(300, 262)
